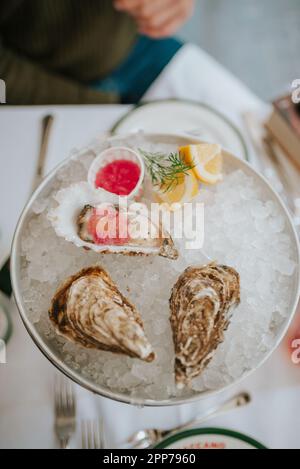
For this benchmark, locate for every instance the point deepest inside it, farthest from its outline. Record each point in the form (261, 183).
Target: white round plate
(178, 117)
(209, 439)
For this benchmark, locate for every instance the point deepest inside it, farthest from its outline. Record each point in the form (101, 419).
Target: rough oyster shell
(70, 217)
(200, 305)
(88, 309)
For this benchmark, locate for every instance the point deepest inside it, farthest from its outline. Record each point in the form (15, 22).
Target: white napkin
(194, 74)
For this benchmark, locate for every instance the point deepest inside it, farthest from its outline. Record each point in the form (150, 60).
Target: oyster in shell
(200, 305)
(88, 309)
(83, 214)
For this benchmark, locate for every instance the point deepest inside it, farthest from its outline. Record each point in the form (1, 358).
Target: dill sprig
(165, 169)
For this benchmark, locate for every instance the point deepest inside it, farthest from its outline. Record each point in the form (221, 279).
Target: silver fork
(93, 434)
(65, 411)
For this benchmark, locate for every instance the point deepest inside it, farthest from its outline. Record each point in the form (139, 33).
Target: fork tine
(102, 434)
(94, 434)
(63, 392)
(62, 395)
(90, 434)
(69, 397)
(83, 435)
(66, 385)
(73, 400)
(57, 394)
(97, 433)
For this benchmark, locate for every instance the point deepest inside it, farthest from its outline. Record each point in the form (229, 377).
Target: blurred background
(258, 40)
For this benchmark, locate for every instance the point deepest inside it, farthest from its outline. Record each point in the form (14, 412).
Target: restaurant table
(26, 380)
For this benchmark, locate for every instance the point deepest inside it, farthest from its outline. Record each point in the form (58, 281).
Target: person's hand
(157, 18)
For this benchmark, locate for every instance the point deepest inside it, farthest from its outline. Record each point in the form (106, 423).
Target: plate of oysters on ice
(155, 269)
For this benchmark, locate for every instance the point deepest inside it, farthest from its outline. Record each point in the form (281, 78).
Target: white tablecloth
(26, 398)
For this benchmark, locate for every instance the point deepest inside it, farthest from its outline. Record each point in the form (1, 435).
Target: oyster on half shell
(81, 210)
(88, 309)
(201, 304)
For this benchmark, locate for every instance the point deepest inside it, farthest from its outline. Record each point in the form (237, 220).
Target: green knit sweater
(51, 49)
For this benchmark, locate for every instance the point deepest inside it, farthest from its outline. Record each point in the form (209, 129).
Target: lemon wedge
(207, 159)
(184, 191)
